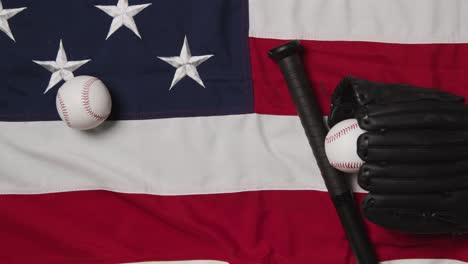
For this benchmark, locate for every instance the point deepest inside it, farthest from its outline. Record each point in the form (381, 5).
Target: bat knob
(291, 48)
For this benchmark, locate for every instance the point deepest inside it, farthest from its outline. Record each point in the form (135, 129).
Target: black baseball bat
(289, 58)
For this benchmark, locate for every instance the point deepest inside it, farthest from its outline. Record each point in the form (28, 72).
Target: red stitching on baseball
(64, 110)
(347, 165)
(86, 103)
(341, 133)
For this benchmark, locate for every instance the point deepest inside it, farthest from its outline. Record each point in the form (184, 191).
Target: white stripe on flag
(174, 156)
(394, 21)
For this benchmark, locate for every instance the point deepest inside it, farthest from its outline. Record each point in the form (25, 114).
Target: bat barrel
(289, 58)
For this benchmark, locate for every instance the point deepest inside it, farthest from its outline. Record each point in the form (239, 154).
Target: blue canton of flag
(159, 59)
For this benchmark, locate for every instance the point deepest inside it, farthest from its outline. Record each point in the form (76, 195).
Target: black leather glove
(415, 154)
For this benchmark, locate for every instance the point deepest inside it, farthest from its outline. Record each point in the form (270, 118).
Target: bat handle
(289, 59)
(288, 56)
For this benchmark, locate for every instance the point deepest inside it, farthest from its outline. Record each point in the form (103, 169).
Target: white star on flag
(61, 68)
(123, 16)
(6, 14)
(186, 64)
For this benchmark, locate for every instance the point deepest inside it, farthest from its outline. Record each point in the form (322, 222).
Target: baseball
(83, 102)
(341, 146)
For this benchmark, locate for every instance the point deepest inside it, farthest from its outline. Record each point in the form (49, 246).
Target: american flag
(203, 159)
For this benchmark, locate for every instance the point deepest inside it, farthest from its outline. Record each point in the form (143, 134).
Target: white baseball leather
(341, 146)
(83, 102)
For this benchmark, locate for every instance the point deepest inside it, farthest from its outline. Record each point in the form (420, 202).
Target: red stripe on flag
(269, 227)
(443, 66)
(106, 227)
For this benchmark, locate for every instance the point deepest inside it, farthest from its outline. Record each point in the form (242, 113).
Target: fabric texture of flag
(203, 159)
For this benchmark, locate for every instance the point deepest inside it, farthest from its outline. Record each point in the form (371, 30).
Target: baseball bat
(288, 56)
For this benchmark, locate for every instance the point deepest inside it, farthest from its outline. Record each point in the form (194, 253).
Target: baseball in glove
(415, 152)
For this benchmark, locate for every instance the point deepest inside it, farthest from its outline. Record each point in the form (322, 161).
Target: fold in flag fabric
(203, 159)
